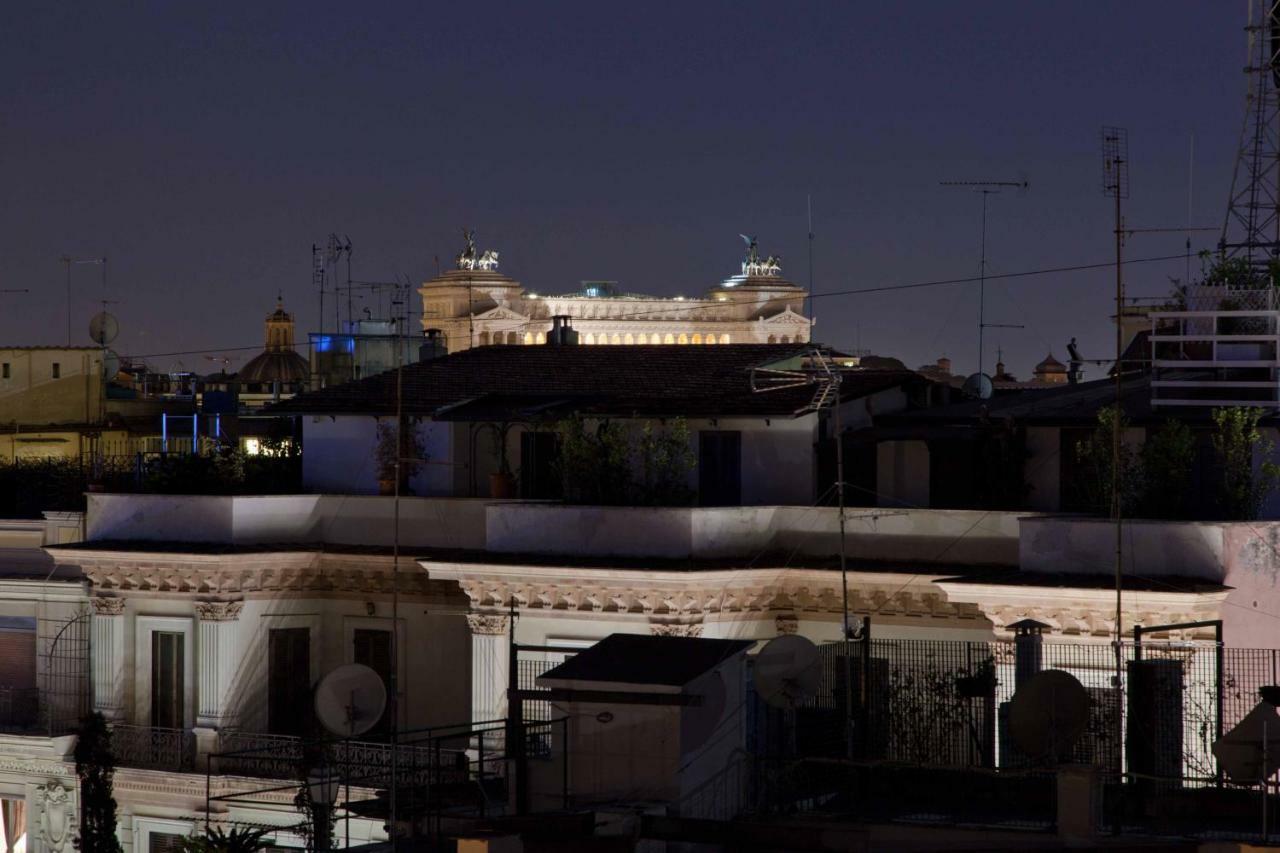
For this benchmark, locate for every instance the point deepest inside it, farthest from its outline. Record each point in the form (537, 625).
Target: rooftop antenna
(808, 203)
(1251, 229)
(817, 369)
(1115, 185)
(69, 262)
(985, 189)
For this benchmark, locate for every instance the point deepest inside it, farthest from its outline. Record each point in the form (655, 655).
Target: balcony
(19, 709)
(267, 756)
(1217, 357)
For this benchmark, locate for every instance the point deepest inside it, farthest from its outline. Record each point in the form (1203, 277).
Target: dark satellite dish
(1048, 714)
(103, 328)
(788, 671)
(978, 386)
(699, 722)
(1240, 751)
(350, 700)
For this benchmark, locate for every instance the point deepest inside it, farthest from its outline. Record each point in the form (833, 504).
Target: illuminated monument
(475, 305)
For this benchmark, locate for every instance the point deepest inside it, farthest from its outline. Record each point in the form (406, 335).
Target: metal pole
(982, 280)
(1219, 655)
(844, 574)
(395, 610)
(1115, 444)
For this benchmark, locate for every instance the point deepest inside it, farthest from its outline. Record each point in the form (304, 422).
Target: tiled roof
(654, 380)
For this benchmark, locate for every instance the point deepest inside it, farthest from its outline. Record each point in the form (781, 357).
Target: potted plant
(502, 483)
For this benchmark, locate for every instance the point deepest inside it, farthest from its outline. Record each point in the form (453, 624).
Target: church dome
(279, 362)
(1051, 370)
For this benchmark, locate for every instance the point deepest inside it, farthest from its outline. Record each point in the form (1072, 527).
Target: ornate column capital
(487, 623)
(218, 611)
(666, 629)
(107, 606)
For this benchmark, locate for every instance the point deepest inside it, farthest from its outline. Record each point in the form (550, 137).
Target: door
(373, 649)
(539, 455)
(720, 468)
(289, 681)
(168, 709)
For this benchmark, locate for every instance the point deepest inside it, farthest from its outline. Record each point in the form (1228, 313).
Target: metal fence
(154, 748)
(63, 672)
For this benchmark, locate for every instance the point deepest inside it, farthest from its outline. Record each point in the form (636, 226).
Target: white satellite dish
(103, 328)
(788, 671)
(350, 700)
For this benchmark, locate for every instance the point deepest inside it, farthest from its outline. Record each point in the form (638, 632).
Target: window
(164, 842)
(57, 370)
(167, 684)
(19, 700)
(720, 468)
(372, 647)
(289, 681)
(4, 370)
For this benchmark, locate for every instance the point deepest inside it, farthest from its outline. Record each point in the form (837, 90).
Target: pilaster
(216, 662)
(490, 665)
(106, 654)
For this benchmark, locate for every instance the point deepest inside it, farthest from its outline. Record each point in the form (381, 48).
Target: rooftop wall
(943, 537)
(287, 519)
(920, 536)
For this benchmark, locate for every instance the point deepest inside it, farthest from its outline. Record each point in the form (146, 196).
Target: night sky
(203, 148)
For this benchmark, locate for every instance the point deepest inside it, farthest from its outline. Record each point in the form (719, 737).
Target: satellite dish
(103, 328)
(1240, 751)
(110, 364)
(350, 700)
(1048, 714)
(788, 671)
(700, 721)
(978, 385)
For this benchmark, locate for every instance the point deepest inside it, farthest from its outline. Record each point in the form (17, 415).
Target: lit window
(629, 339)
(528, 338)
(724, 339)
(642, 338)
(57, 370)
(589, 339)
(541, 338)
(697, 337)
(683, 339)
(669, 339)
(617, 339)
(252, 446)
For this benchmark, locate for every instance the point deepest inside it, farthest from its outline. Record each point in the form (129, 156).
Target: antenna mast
(1252, 227)
(986, 188)
(1115, 185)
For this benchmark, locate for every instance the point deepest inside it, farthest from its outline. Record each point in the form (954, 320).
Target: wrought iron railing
(19, 709)
(366, 763)
(152, 748)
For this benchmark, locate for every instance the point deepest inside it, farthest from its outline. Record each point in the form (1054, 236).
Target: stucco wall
(902, 474)
(335, 519)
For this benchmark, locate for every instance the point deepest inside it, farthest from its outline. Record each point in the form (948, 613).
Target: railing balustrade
(152, 748)
(19, 708)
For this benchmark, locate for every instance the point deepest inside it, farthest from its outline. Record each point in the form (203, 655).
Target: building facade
(474, 305)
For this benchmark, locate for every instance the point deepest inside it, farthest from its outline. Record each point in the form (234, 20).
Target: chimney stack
(562, 334)
(433, 346)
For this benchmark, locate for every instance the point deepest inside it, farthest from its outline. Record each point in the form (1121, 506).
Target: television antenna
(986, 189)
(69, 262)
(1047, 716)
(817, 369)
(350, 700)
(787, 671)
(324, 261)
(1115, 185)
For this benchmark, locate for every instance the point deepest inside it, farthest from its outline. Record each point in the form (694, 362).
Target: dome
(285, 366)
(1050, 365)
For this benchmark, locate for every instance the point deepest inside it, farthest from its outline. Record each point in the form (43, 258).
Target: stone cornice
(489, 624)
(1085, 611)
(694, 595)
(107, 606)
(243, 574)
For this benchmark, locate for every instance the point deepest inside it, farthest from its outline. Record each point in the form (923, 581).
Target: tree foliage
(1101, 473)
(1243, 485)
(615, 464)
(1166, 460)
(95, 768)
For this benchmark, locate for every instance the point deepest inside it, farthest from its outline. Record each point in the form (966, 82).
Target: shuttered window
(289, 681)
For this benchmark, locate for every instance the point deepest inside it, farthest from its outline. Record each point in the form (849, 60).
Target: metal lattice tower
(1252, 226)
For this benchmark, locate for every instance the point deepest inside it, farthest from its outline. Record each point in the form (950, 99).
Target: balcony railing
(1216, 358)
(153, 748)
(19, 709)
(270, 756)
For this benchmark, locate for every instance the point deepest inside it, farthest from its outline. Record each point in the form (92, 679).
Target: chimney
(1028, 650)
(562, 334)
(433, 346)
(944, 365)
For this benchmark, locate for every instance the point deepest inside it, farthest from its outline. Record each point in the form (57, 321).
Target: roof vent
(433, 346)
(562, 334)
